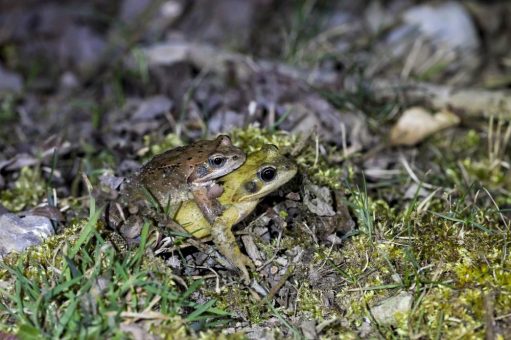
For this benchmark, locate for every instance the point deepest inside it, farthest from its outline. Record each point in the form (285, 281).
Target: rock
(333, 126)
(318, 200)
(438, 43)
(384, 312)
(376, 17)
(156, 20)
(82, 48)
(17, 233)
(19, 161)
(411, 191)
(110, 181)
(153, 108)
(68, 81)
(222, 121)
(221, 21)
(131, 9)
(308, 328)
(448, 23)
(10, 81)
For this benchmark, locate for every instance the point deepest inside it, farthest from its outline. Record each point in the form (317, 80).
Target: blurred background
(103, 81)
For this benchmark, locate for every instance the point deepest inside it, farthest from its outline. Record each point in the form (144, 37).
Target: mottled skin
(181, 174)
(262, 173)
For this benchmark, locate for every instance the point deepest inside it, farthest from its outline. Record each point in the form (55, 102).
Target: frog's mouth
(203, 184)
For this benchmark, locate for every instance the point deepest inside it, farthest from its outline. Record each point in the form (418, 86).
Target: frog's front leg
(206, 200)
(225, 240)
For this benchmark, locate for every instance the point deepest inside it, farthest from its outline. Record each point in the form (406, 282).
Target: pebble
(19, 233)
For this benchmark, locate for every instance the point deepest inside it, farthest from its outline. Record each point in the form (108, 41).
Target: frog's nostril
(235, 157)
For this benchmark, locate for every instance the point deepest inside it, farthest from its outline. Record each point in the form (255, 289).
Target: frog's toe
(248, 262)
(243, 262)
(245, 275)
(217, 209)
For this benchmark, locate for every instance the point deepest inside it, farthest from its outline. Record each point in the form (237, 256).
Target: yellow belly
(191, 218)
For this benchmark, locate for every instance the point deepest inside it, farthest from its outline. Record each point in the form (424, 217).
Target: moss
(240, 301)
(28, 189)
(492, 175)
(310, 301)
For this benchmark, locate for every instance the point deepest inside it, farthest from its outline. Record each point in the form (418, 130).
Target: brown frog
(178, 175)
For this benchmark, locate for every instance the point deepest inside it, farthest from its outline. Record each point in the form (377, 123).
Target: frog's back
(165, 176)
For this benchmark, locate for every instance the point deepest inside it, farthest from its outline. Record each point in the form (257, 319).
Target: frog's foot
(242, 262)
(209, 206)
(216, 208)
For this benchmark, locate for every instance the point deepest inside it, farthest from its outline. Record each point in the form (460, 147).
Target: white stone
(447, 23)
(17, 234)
(385, 311)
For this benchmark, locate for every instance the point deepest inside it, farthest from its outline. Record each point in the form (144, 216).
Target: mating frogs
(262, 173)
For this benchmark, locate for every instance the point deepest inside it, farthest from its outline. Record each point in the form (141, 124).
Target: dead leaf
(416, 124)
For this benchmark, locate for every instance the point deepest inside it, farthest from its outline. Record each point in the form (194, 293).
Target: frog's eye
(217, 161)
(267, 174)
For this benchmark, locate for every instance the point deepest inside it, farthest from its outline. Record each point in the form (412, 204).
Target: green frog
(262, 173)
(178, 175)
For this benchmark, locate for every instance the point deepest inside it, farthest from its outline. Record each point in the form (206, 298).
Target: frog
(177, 175)
(263, 172)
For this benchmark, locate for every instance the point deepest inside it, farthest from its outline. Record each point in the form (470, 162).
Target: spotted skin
(182, 174)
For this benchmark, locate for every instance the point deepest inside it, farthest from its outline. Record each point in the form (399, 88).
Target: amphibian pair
(183, 180)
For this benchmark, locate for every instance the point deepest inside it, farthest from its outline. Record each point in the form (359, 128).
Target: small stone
(384, 312)
(68, 81)
(110, 181)
(250, 247)
(274, 270)
(293, 196)
(281, 261)
(17, 233)
(334, 239)
(171, 9)
(396, 277)
(318, 200)
(174, 262)
(153, 108)
(413, 190)
(10, 81)
(225, 121)
(308, 328)
(448, 23)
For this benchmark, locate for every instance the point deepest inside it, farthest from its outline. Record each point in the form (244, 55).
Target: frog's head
(222, 158)
(263, 172)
